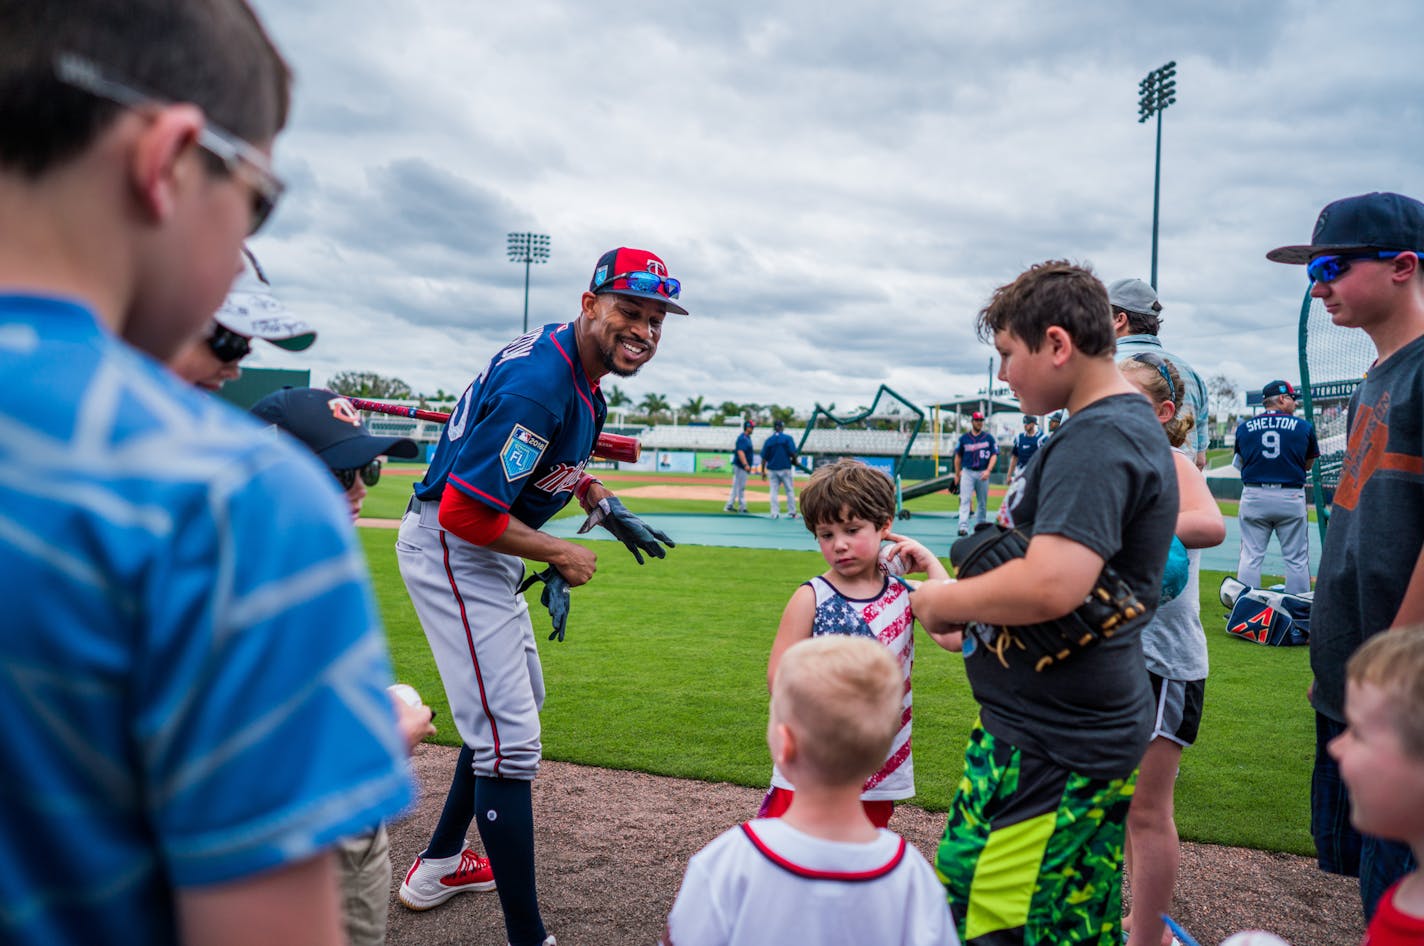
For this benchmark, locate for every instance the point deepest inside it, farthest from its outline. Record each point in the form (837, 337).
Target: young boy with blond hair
(821, 873)
(1033, 847)
(1381, 759)
(849, 507)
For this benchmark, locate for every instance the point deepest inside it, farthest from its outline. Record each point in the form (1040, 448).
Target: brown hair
(1055, 292)
(844, 490)
(1393, 661)
(1146, 371)
(211, 53)
(841, 695)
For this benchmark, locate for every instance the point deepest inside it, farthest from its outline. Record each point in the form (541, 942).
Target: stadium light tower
(528, 248)
(1156, 92)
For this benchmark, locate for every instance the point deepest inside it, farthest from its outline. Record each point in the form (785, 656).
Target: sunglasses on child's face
(227, 346)
(1332, 266)
(370, 475)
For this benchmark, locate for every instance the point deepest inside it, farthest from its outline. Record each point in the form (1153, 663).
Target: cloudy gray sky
(839, 185)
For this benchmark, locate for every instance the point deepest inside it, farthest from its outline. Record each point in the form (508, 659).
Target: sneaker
(743, 509)
(727, 508)
(433, 880)
(549, 940)
(791, 515)
(776, 515)
(963, 531)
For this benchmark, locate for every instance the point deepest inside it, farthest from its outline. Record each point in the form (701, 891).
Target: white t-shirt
(765, 882)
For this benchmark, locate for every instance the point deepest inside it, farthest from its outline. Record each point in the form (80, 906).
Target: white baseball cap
(251, 309)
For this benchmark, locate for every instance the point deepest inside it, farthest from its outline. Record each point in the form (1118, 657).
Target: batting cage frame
(1333, 363)
(818, 411)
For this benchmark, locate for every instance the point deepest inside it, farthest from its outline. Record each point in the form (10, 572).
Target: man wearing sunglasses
(511, 456)
(1363, 264)
(195, 707)
(249, 311)
(1274, 451)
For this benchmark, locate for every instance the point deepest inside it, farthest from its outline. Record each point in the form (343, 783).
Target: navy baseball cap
(330, 426)
(1277, 388)
(639, 273)
(1133, 295)
(252, 310)
(779, 425)
(1030, 419)
(1377, 221)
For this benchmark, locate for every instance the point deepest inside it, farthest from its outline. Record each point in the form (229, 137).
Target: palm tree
(616, 396)
(653, 405)
(695, 407)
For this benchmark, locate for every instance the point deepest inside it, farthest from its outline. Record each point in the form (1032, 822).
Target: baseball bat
(608, 447)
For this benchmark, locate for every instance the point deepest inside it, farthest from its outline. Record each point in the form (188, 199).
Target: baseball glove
(1109, 607)
(555, 597)
(954, 486)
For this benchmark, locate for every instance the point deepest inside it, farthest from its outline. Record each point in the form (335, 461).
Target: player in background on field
(249, 311)
(511, 456)
(778, 457)
(1274, 451)
(1363, 261)
(196, 707)
(328, 425)
(1380, 753)
(849, 508)
(1026, 444)
(1033, 846)
(1055, 420)
(974, 459)
(743, 466)
(1176, 658)
(822, 872)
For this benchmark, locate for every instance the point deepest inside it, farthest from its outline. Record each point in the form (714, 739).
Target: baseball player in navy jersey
(1274, 450)
(742, 467)
(1026, 445)
(974, 459)
(512, 455)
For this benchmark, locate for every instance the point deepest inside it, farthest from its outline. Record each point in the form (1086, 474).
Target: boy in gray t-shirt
(1054, 756)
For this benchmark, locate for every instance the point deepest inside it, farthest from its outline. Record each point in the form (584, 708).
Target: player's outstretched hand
(628, 529)
(555, 597)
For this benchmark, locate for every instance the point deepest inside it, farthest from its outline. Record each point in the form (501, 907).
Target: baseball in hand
(405, 693)
(892, 565)
(1254, 938)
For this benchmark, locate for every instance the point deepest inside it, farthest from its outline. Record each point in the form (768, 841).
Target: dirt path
(612, 847)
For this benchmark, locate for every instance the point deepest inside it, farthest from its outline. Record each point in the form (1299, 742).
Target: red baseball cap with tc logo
(629, 272)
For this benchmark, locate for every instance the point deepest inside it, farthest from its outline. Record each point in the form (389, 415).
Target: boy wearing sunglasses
(1363, 263)
(249, 311)
(196, 707)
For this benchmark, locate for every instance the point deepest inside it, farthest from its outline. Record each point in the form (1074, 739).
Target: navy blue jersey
(1025, 446)
(974, 450)
(523, 430)
(779, 452)
(1275, 448)
(744, 444)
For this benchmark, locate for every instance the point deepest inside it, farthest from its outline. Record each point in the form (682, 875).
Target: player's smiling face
(851, 547)
(624, 331)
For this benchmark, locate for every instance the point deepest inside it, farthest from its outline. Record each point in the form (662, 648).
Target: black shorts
(1178, 708)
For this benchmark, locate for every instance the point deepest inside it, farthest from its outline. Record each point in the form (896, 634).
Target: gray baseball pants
(780, 481)
(738, 499)
(479, 631)
(975, 483)
(1265, 510)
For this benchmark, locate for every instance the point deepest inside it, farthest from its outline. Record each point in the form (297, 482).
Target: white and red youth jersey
(887, 618)
(765, 882)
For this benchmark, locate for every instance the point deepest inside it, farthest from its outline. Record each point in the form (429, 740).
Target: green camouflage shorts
(1032, 852)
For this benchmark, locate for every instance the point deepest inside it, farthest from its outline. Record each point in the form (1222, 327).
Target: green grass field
(664, 671)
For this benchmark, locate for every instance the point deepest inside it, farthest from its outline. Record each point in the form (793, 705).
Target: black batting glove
(555, 597)
(628, 529)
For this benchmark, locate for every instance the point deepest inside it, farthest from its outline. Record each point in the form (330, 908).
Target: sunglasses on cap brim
(641, 281)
